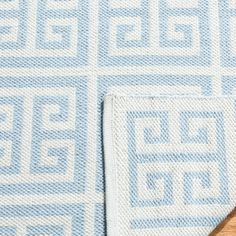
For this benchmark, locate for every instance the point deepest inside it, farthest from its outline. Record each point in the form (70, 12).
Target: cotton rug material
(169, 163)
(58, 59)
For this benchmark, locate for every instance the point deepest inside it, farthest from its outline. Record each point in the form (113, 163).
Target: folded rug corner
(169, 163)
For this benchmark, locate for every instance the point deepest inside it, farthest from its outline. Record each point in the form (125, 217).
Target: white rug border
(110, 169)
(111, 194)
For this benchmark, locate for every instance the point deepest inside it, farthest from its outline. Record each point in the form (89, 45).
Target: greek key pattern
(12, 25)
(145, 84)
(177, 34)
(59, 58)
(55, 220)
(45, 174)
(164, 32)
(55, 33)
(156, 143)
(173, 167)
(43, 125)
(43, 33)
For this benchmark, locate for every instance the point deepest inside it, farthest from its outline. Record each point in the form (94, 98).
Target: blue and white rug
(58, 59)
(169, 163)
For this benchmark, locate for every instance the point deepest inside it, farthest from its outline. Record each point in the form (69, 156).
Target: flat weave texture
(58, 59)
(169, 163)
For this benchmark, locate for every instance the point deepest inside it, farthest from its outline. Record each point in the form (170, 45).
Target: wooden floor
(227, 227)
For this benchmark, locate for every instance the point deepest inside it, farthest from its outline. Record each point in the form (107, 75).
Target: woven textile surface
(170, 164)
(58, 59)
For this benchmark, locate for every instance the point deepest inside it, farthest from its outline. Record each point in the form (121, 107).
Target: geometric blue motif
(47, 33)
(31, 214)
(106, 82)
(62, 145)
(160, 34)
(137, 159)
(131, 25)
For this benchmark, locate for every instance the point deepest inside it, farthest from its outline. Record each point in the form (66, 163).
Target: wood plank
(227, 227)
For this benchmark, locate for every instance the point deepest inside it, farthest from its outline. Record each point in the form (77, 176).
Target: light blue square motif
(37, 220)
(43, 133)
(47, 33)
(204, 83)
(146, 32)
